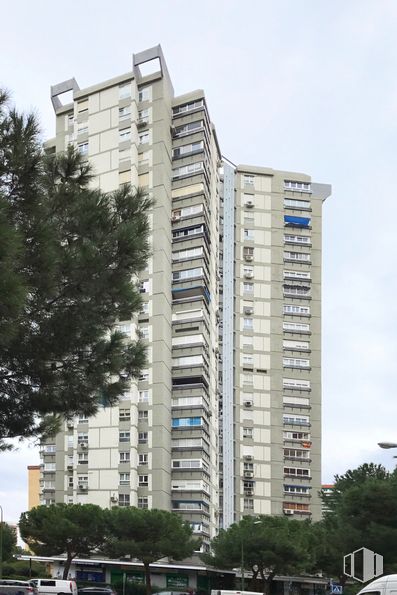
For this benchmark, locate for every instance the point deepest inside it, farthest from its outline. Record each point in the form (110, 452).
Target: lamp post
(1, 542)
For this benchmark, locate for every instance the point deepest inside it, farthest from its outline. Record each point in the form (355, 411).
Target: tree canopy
(265, 545)
(9, 537)
(71, 529)
(68, 257)
(148, 536)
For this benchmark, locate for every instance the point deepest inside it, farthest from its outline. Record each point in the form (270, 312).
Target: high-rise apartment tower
(225, 421)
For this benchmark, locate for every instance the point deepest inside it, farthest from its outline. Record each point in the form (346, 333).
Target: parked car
(13, 587)
(97, 591)
(54, 586)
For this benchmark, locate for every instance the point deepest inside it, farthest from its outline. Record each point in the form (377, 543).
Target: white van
(215, 592)
(54, 586)
(384, 585)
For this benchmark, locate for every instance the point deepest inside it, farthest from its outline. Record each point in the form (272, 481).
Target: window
(299, 420)
(125, 91)
(296, 435)
(144, 376)
(248, 341)
(248, 324)
(300, 186)
(190, 231)
(188, 442)
(295, 453)
(187, 211)
(124, 499)
(296, 489)
(144, 287)
(124, 155)
(296, 384)
(144, 332)
(298, 345)
(124, 415)
(180, 422)
(296, 204)
(296, 290)
(143, 115)
(145, 94)
(49, 467)
(124, 479)
(143, 414)
(124, 436)
(142, 437)
(248, 380)
(145, 308)
(296, 275)
(248, 287)
(249, 234)
(143, 459)
(125, 457)
(124, 134)
(83, 148)
(190, 360)
(295, 362)
(82, 438)
(247, 432)
(71, 119)
(143, 396)
(143, 480)
(82, 458)
(187, 107)
(82, 106)
(124, 113)
(249, 503)
(188, 253)
(143, 503)
(302, 256)
(70, 482)
(296, 327)
(187, 274)
(248, 180)
(296, 471)
(189, 128)
(189, 169)
(300, 310)
(83, 419)
(297, 239)
(297, 221)
(186, 149)
(82, 130)
(49, 448)
(248, 360)
(188, 464)
(144, 138)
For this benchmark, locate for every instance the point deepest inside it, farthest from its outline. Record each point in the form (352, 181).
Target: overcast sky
(301, 85)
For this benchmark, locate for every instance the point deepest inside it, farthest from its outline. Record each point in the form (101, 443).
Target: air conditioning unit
(288, 511)
(70, 467)
(175, 217)
(248, 310)
(83, 487)
(248, 493)
(249, 203)
(70, 424)
(249, 257)
(142, 123)
(249, 275)
(249, 474)
(83, 445)
(248, 457)
(114, 499)
(247, 403)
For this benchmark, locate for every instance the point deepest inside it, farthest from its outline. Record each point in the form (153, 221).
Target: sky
(300, 85)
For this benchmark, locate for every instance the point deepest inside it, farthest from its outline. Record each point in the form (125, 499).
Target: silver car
(11, 587)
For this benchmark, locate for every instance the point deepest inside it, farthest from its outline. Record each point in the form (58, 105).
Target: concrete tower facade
(225, 421)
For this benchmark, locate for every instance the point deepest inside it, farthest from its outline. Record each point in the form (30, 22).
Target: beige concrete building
(33, 486)
(225, 420)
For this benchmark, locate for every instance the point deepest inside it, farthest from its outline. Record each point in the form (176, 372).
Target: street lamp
(242, 558)
(387, 444)
(1, 542)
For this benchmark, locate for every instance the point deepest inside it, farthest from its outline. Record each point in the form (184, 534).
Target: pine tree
(69, 254)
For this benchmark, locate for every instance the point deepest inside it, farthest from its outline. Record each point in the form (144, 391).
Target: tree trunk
(147, 579)
(267, 582)
(68, 564)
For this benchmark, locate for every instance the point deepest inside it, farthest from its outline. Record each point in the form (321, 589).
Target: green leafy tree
(9, 541)
(71, 529)
(266, 545)
(148, 536)
(68, 255)
(362, 512)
